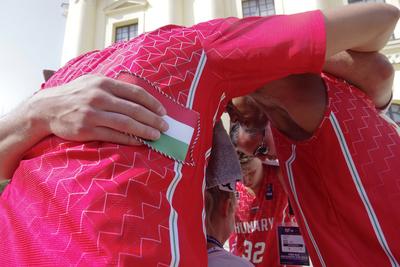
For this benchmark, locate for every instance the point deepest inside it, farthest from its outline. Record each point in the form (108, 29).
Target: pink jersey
(344, 182)
(96, 204)
(257, 218)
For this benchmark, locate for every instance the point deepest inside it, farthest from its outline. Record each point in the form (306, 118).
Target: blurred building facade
(95, 24)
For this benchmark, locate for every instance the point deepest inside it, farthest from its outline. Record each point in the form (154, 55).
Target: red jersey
(96, 203)
(344, 182)
(257, 218)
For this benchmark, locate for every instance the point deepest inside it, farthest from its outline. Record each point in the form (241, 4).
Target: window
(394, 113)
(258, 8)
(125, 33)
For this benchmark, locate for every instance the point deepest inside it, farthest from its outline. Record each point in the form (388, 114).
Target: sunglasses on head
(262, 149)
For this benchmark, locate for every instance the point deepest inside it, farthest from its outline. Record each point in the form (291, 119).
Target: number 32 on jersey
(253, 252)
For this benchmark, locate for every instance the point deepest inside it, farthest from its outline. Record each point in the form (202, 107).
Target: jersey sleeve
(249, 52)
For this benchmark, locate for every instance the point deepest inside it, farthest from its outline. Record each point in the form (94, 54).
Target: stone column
(163, 12)
(204, 10)
(80, 29)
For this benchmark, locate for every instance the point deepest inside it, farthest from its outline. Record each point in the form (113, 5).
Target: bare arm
(371, 72)
(359, 27)
(89, 108)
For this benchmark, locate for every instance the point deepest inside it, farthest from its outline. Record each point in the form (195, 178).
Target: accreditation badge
(292, 250)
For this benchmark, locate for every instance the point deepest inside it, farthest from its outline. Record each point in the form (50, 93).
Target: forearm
(19, 130)
(371, 72)
(359, 27)
(90, 108)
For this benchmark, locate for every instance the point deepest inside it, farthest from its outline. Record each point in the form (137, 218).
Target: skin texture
(247, 141)
(370, 71)
(253, 175)
(87, 109)
(359, 27)
(353, 34)
(295, 105)
(96, 108)
(220, 209)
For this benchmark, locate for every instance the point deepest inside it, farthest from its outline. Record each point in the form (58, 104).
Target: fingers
(105, 134)
(135, 112)
(118, 107)
(135, 94)
(125, 124)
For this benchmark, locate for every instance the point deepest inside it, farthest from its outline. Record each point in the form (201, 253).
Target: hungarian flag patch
(178, 142)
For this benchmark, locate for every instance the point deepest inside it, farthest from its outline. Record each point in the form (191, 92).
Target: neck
(216, 233)
(213, 242)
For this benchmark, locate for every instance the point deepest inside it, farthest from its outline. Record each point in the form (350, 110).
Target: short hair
(213, 198)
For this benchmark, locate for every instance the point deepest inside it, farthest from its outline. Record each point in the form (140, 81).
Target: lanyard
(214, 241)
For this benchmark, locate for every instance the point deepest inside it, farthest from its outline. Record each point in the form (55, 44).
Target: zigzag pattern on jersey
(276, 207)
(81, 206)
(110, 183)
(359, 119)
(375, 148)
(87, 203)
(168, 57)
(252, 208)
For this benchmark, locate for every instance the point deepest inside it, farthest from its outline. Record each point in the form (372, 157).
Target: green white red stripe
(176, 141)
(182, 121)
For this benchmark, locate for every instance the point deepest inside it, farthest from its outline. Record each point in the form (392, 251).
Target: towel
(223, 168)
